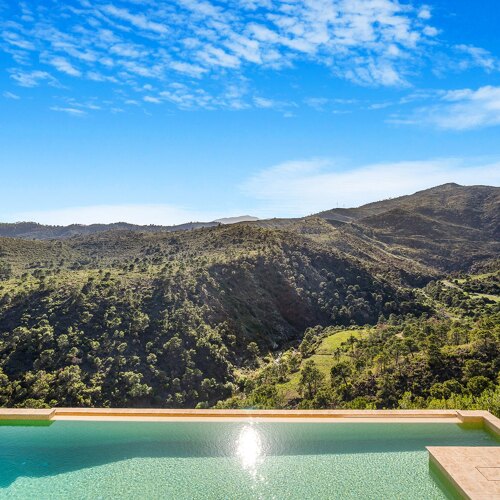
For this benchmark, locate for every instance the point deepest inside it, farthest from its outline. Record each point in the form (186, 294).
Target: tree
(253, 350)
(476, 385)
(5, 270)
(340, 372)
(294, 361)
(311, 379)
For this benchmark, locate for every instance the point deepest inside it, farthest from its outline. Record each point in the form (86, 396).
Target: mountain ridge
(35, 230)
(432, 197)
(438, 230)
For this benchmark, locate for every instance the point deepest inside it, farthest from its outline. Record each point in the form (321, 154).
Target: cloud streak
(299, 187)
(459, 110)
(159, 214)
(69, 111)
(291, 189)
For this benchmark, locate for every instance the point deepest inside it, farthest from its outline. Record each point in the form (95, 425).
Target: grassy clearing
(474, 277)
(495, 298)
(322, 357)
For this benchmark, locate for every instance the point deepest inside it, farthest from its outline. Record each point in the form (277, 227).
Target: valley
(235, 314)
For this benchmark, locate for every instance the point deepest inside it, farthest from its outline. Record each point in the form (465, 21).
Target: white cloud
(159, 214)
(293, 189)
(69, 110)
(462, 109)
(10, 95)
(152, 99)
(424, 12)
(138, 20)
(263, 102)
(215, 56)
(188, 69)
(64, 66)
(128, 50)
(208, 43)
(430, 31)
(297, 188)
(32, 78)
(17, 41)
(476, 57)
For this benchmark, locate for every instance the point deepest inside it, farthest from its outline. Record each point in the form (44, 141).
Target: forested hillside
(234, 314)
(447, 359)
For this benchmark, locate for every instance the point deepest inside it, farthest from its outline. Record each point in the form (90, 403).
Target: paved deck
(473, 470)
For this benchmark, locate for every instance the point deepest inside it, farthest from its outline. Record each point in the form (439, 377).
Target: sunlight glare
(249, 448)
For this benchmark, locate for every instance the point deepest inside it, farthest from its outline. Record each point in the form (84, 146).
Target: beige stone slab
(383, 416)
(471, 469)
(229, 418)
(490, 473)
(316, 414)
(341, 416)
(26, 414)
(491, 422)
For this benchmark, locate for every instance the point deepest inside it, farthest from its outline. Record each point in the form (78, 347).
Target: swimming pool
(238, 459)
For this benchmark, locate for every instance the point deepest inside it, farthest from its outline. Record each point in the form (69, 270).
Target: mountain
(470, 206)
(35, 231)
(127, 315)
(234, 220)
(442, 229)
(448, 228)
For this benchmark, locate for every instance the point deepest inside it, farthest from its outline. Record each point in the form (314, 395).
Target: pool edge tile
(460, 465)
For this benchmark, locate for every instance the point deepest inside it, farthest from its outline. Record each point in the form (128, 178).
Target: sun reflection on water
(249, 448)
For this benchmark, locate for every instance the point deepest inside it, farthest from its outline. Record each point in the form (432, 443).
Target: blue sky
(170, 111)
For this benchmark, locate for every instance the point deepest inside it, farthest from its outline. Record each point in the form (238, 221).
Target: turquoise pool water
(233, 460)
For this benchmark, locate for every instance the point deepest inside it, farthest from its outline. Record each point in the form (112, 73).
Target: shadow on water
(45, 450)
(444, 483)
(26, 423)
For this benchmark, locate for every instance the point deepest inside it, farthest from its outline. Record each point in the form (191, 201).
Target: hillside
(448, 360)
(448, 228)
(172, 318)
(442, 229)
(469, 206)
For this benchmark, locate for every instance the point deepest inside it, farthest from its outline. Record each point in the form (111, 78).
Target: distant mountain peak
(235, 220)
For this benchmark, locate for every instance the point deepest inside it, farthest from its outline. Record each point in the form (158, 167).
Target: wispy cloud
(10, 95)
(161, 214)
(462, 109)
(32, 78)
(206, 45)
(476, 57)
(64, 66)
(292, 189)
(137, 20)
(16, 40)
(299, 187)
(69, 111)
(266, 103)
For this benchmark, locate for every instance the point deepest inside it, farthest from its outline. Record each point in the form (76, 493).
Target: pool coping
(469, 469)
(485, 418)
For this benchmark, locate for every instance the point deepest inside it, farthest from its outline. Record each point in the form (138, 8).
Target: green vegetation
(425, 362)
(450, 359)
(310, 313)
(166, 320)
